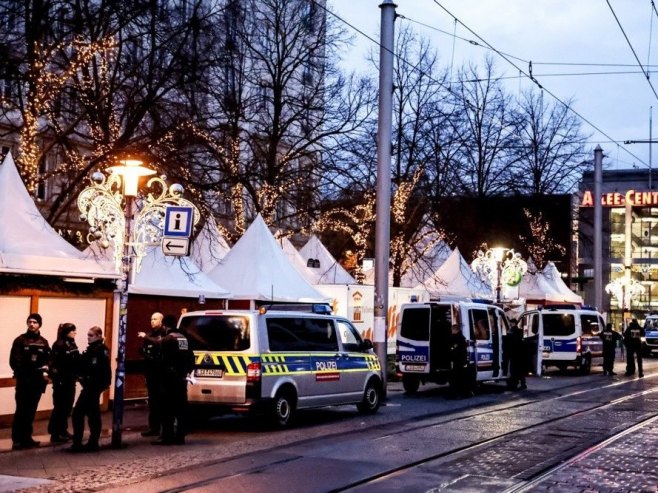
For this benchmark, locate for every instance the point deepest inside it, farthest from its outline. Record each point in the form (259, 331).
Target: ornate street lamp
(109, 206)
(624, 289)
(498, 265)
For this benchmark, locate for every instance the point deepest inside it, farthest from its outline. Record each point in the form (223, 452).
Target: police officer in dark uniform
(64, 361)
(610, 339)
(518, 357)
(95, 376)
(177, 362)
(458, 361)
(633, 342)
(28, 358)
(153, 373)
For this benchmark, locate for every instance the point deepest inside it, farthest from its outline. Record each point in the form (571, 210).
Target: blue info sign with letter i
(178, 221)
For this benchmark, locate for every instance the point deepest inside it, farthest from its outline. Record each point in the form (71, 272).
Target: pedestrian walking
(633, 342)
(518, 358)
(153, 373)
(610, 339)
(458, 362)
(177, 361)
(28, 358)
(95, 376)
(64, 361)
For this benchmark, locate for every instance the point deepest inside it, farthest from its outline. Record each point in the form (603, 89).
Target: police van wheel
(283, 409)
(410, 383)
(372, 398)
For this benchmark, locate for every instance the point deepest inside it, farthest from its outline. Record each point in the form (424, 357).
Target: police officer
(177, 362)
(28, 359)
(609, 338)
(518, 358)
(633, 342)
(95, 376)
(153, 374)
(64, 360)
(458, 360)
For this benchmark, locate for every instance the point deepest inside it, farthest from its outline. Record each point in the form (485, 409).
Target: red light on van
(579, 344)
(253, 372)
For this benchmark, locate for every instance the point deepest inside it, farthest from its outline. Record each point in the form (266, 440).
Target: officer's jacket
(95, 371)
(176, 355)
(64, 360)
(28, 357)
(633, 336)
(458, 350)
(151, 348)
(609, 338)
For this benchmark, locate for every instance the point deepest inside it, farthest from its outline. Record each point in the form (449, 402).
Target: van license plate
(209, 372)
(414, 367)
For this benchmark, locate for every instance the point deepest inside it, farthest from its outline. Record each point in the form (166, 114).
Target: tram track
(580, 389)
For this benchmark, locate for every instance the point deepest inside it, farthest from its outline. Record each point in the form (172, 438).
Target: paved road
(421, 443)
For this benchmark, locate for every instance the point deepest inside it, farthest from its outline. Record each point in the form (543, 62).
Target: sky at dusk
(577, 48)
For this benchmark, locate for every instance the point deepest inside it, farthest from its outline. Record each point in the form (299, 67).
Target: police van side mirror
(366, 345)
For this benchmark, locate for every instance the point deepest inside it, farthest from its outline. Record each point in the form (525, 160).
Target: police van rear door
(413, 343)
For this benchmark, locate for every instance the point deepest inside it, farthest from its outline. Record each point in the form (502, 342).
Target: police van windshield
(216, 333)
(558, 324)
(651, 324)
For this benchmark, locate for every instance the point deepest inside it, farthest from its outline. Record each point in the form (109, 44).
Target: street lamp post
(130, 231)
(499, 264)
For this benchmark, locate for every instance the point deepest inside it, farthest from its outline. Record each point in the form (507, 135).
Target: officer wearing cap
(64, 361)
(28, 358)
(177, 361)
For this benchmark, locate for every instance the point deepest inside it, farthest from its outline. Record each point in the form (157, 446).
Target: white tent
(534, 288)
(29, 245)
(162, 275)
(327, 269)
(455, 278)
(209, 247)
(554, 278)
(427, 263)
(295, 258)
(257, 269)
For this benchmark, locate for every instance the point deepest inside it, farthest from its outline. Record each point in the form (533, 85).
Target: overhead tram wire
(646, 74)
(533, 79)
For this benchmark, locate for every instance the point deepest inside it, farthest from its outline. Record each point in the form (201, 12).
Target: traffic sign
(179, 247)
(178, 221)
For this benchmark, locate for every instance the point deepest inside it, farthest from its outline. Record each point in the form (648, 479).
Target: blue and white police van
(570, 335)
(276, 362)
(423, 342)
(650, 340)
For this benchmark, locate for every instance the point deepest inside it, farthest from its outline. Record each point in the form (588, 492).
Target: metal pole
(628, 254)
(120, 377)
(598, 248)
(382, 226)
(499, 286)
(650, 143)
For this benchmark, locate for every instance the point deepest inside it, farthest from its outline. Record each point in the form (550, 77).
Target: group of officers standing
(34, 363)
(168, 360)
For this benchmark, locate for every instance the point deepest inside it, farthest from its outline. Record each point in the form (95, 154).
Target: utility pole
(598, 222)
(383, 208)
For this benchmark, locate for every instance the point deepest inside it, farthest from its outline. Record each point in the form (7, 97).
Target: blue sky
(577, 48)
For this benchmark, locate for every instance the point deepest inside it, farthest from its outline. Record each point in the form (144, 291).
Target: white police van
(279, 361)
(423, 342)
(650, 340)
(570, 335)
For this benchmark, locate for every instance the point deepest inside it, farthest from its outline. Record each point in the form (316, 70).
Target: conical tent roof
(296, 259)
(257, 269)
(162, 275)
(328, 271)
(209, 247)
(28, 244)
(455, 278)
(554, 278)
(535, 287)
(426, 264)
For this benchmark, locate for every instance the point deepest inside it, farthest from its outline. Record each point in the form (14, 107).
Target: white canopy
(427, 262)
(534, 287)
(455, 278)
(554, 278)
(28, 244)
(209, 247)
(295, 258)
(257, 269)
(162, 275)
(329, 271)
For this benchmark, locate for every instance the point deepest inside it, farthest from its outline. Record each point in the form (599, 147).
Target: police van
(650, 341)
(279, 361)
(423, 343)
(570, 335)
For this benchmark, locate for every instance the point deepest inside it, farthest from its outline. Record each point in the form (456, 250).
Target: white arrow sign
(179, 247)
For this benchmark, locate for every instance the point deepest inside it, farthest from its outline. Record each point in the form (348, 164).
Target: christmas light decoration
(624, 289)
(497, 265)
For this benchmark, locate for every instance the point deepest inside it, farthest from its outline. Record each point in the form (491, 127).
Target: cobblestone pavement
(627, 463)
